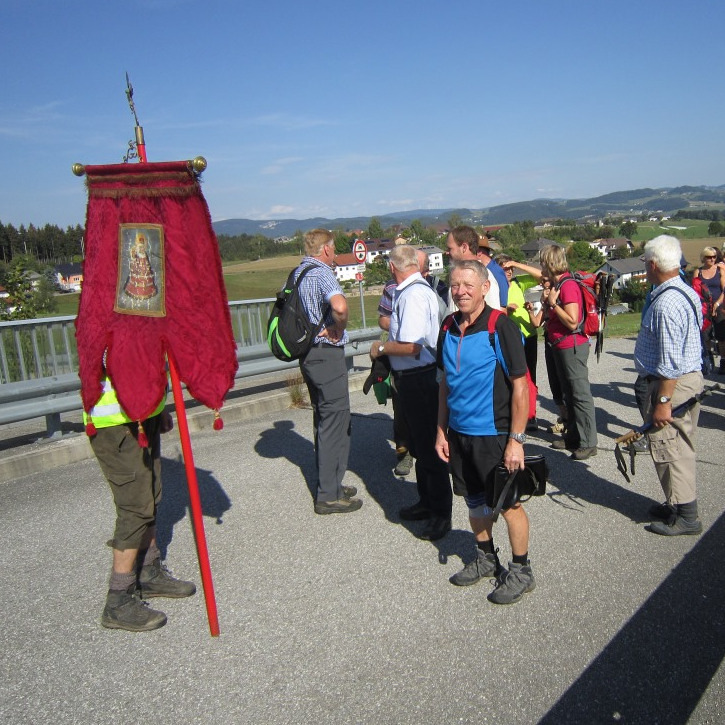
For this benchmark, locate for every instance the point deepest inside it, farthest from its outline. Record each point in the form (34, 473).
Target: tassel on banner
(218, 422)
(142, 440)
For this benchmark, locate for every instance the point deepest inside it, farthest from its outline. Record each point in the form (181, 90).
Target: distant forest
(49, 245)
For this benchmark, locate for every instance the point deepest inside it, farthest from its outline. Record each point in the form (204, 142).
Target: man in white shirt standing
(411, 346)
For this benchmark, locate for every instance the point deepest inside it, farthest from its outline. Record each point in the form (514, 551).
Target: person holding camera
(482, 409)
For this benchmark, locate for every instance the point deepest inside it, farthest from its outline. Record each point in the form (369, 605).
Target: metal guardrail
(39, 361)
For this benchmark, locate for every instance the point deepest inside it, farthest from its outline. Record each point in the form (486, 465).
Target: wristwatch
(518, 437)
(381, 348)
(664, 399)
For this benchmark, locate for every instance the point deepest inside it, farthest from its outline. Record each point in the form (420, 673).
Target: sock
(150, 555)
(523, 559)
(486, 546)
(688, 511)
(120, 581)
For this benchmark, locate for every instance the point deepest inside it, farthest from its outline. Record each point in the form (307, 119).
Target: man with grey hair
(325, 373)
(668, 355)
(410, 346)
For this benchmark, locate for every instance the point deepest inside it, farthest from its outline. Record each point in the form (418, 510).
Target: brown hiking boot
(124, 610)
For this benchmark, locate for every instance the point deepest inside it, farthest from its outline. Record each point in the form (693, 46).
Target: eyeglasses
(710, 256)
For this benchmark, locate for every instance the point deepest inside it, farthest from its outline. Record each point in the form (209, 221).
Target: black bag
(508, 488)
(290, 333)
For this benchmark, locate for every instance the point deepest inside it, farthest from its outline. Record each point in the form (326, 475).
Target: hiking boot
(663, 512)
(512, 584)
(404, 465)
(562, 445)
(581, 454)
(348, 491)
(341, 506)
(155, 580)
(677, 526)
(483, 566)
(124, 610)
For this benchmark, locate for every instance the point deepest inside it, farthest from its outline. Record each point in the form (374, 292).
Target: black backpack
(290, 333)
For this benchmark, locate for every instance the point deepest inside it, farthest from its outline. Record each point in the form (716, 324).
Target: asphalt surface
(351, 619)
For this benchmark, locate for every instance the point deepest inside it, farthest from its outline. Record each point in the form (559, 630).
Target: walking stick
(197, 517)
(636, 433)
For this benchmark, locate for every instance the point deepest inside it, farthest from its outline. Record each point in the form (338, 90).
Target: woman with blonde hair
(711, 289)
(571, 352)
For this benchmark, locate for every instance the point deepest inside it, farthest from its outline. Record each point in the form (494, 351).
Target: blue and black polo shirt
(479, 390)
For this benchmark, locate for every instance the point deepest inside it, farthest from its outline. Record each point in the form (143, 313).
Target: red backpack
(589, 324)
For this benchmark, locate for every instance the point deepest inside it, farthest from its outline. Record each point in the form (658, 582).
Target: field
(262, 278)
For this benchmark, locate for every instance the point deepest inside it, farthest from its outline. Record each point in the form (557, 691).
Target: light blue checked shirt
(316, 289)
(668, 344)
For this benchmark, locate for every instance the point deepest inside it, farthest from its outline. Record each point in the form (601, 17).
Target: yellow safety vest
(107, 411)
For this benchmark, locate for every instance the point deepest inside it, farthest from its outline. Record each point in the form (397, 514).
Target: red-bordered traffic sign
(360, 250)
(359, 276)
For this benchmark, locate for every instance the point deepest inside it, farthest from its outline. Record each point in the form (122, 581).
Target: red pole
(197, 518)
(194, 501)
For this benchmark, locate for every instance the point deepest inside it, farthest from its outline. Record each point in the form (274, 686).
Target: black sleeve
(512, 345)
(439, 345)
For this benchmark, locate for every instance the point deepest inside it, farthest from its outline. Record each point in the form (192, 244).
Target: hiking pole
(197, 517)
(636, 433)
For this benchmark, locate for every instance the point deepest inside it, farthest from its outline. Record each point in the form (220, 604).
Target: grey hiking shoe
(155, 580)
(341, 506)
(484, 565)
(677, 526)
(512, 584)
(124, 610)
(405, 463)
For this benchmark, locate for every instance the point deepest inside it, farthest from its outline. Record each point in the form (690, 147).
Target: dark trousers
(531, 350)
(419, 403)
(325, 372)
(554, 385)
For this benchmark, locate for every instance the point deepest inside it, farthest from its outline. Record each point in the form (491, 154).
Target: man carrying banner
(133, 473)
(482, 411)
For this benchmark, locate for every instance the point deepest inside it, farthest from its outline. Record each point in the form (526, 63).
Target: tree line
(48, 245)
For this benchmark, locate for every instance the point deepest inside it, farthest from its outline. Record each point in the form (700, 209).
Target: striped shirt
(668, 344)
(316, 289)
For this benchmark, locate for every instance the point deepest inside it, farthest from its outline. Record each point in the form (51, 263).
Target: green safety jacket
(107, 411)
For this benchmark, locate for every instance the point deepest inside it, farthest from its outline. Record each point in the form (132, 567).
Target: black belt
(414, 371)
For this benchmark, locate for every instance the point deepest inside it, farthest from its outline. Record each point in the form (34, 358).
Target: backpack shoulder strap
(687, 297)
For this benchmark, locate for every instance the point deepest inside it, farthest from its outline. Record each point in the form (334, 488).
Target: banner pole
(197, 518)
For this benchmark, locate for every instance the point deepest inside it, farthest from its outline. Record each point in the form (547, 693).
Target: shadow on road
(175, 501)
(657, 667)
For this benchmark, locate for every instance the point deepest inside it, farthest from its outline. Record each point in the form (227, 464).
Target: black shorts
(473, 460)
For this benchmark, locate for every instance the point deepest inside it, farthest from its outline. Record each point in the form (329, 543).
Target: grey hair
(665, 251)
(474, 265)
(403, 257)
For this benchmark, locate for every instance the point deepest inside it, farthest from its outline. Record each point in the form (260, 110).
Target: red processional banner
(152, 287)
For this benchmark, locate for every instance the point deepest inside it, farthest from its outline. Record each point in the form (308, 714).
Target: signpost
(360, 250)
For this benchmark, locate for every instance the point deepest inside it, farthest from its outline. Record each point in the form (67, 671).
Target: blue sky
(317, 108)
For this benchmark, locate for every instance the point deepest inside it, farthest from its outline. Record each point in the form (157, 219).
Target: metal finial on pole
(136, 149)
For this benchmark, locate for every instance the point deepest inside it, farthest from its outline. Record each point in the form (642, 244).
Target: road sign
(359, 277)
(360, 250)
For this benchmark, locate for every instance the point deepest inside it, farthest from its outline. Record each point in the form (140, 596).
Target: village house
(608, 246)
(69, 276)
(347, 266)
(624, 270)
(531, 249)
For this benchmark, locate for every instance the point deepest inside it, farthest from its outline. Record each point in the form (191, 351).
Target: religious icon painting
(140, 289)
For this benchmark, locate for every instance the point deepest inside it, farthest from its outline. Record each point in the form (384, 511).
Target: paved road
(351, 619)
